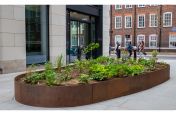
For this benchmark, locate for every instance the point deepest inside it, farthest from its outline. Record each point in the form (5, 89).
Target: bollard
(135, 54)
(0, 70)
(118, 52)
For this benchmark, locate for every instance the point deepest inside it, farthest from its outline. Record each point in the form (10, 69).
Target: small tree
(92, 46)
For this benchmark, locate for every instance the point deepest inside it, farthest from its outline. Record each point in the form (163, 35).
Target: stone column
(57, 32)
(106, 28)
(12, 38)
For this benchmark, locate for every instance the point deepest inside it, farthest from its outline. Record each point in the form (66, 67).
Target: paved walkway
(160, 97)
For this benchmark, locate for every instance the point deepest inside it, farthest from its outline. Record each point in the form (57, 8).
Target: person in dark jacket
(130, 49)
(118, 49)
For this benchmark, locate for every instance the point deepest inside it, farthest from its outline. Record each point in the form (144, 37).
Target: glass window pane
(36, 33)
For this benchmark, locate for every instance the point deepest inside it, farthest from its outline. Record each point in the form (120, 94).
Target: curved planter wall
(66, 96)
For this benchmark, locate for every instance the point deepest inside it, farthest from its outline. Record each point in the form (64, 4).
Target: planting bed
(82, 94)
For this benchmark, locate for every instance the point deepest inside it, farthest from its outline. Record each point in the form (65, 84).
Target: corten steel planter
(76, 95)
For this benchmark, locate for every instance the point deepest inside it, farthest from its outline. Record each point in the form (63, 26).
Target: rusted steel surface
(67, 96)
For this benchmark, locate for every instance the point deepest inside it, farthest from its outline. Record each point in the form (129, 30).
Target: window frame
(141, 6)
(150, 20)
(129, 6)
(116, 22)
(172, 41)
(164, 19)
(150, 40)
(138, 38)
(126, 21)
(118, 8)
(115, 39)
(138, 20)
(125, 43)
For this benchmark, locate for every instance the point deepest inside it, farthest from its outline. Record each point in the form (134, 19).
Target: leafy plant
(98, 76)
(90, 47)
(135, 70)
(34, 78)
(82, 64)
(83, 78)
(59, 63)
(154, 53)
(50, 74)
(65, 76)
(98, 72)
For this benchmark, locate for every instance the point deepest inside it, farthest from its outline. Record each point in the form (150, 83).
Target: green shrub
(50, 74)
(34, 78)
(90, 47)
(83, 78)
(98, 72)
(154, 53)
(98, 76)
(135, 70)
(82, 64)
(66, 74)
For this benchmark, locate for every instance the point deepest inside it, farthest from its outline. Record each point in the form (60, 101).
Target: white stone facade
(106, 28)
(13, 35)
(12, 38)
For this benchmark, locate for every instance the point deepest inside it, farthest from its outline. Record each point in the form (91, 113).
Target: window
(172, 41)
(118, 7)
(118, 22)
(128, 21)
(128, 6)
(153, 41)
(153, 20)
(36, 19)
(141, 38)
(118, 38)
(141, 5)
(141, 21)
(167, 19)
(127, 40)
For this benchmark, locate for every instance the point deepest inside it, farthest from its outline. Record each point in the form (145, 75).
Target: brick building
(153, 24)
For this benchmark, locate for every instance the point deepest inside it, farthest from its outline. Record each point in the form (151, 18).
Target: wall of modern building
(57, 32)
(106, 28)
(13, 35)
(12, 38)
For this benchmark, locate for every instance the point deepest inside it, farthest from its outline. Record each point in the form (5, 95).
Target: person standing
(118, 49)
(129, 48)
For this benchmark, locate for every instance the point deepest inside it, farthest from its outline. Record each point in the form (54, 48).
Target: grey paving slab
(157, 98)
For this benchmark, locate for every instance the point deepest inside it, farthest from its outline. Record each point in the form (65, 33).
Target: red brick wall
(147, 10)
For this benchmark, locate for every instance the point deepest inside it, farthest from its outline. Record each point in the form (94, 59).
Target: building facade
(153, 24)
(35, 34)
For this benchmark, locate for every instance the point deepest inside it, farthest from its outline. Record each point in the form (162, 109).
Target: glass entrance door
(79, 33)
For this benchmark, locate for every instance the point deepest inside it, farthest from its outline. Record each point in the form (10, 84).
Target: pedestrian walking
(130, 49)
(141, 49)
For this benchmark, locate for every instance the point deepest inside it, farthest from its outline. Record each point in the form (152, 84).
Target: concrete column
(12, 38)
(57, 32)
(106, 28)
